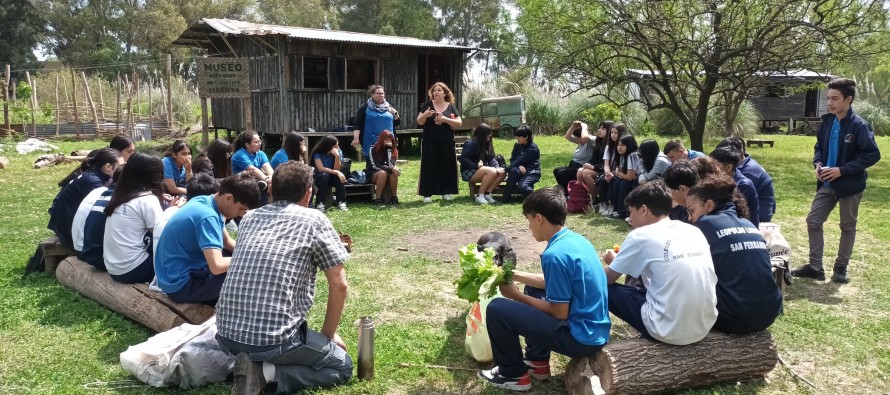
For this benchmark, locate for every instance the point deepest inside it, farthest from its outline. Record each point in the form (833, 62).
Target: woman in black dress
(438, 166)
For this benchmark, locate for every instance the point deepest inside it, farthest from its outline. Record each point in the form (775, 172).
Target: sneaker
(602, 208)
(427, 199)
(342, 206)
(248, 376)
(320, 207)
(840, 276)
(379, 203)
(494, 378)
(394, 202)
(539, 370)
(807, 271)
(481, 199)
(489, 198)
(615, 215)
(447, 197)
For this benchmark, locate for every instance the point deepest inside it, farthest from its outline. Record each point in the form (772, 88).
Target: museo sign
(223, 78)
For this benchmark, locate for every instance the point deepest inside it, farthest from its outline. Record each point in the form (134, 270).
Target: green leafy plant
(480, 277)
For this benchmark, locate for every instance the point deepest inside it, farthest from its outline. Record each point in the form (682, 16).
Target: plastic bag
(776, 244)
(476, 342)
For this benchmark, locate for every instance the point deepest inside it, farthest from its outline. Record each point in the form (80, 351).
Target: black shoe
(248, 376)
(807, 271)
(394, 202)
(379, 203)
(840, 276)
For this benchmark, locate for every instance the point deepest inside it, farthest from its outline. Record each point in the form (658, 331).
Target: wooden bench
(53, 252)
(760, 143)
(474, 188)
(355, 191)
(459, 145)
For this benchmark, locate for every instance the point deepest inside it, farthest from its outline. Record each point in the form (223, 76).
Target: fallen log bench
(53, 252)
(640, 366)
(135, 301)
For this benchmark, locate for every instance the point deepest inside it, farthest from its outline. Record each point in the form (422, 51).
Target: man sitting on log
(189, 265)
(261, 315)
(563, 310)
(679, 303)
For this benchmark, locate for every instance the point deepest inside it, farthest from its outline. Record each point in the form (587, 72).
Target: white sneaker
(609, 211)
(488, 198)
(447, 197)
(427, 199)
(481, 199)
(342, 206)
(320, 207)
(602, 208)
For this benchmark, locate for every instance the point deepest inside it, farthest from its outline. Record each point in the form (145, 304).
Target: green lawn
(57, 342)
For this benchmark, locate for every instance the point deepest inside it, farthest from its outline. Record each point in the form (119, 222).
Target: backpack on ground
(579, 197)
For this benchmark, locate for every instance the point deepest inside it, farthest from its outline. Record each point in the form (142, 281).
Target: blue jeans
(508, 319)
(627, 303)
(307, 360)
(518, 182)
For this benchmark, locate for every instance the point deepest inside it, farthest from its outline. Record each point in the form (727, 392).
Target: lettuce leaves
(480, 276)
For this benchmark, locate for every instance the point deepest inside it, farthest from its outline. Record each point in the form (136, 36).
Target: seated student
(652, 162)
(727, 160)
(201, 164)
(292, 149)
(189, 263)
(577, 133)
(98, 172)
(611, 160)
(201, 184)
(123, 144)
(132, 212)
(678, 304)
(763, 183)
(562, 310)
(624, 177)
(248, 157)
(591, 171)
(524, 169)
(681, 176)
(219, 152)
(478, 164)
(384, 172)
(326, 159)
(674, 150)
(748, 299)
(84, 209)
(84, 166)
(177, 168)
(263, 306)
(92, 233)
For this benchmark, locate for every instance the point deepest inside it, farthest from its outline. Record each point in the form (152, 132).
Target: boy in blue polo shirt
(563, 310)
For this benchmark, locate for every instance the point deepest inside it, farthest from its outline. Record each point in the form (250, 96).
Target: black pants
(565, 174)
(323, 183)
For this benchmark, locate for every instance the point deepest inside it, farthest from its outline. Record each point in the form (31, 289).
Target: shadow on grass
(821, 292)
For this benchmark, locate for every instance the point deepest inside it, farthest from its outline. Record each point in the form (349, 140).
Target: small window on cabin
(360, 73)
(315, 73)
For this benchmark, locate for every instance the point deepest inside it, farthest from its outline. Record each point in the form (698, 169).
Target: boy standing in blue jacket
(845, 147)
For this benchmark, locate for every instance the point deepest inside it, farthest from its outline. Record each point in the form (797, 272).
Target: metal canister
(366, 348)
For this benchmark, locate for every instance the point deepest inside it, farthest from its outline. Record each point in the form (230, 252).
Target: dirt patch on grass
(443, 244)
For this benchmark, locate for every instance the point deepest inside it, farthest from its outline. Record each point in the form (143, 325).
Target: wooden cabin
(304, 78)
(795, 98)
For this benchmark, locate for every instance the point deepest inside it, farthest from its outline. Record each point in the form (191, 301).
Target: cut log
(639, 366)
(44, 161)
(152, 309)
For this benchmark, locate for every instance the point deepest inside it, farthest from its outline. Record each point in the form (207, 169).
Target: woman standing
(438, 169)
(372, 118)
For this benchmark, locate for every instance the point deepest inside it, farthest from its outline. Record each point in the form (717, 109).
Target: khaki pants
(823, 203)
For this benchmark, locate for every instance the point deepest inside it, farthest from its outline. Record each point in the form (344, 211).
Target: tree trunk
(86, 87)
(639, 366)
(152, 309)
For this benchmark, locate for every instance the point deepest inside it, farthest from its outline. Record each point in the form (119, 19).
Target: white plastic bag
(476, 342)
(776, 244)
(187, 356)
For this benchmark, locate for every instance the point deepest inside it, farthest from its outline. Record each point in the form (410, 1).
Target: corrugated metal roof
(233, 27)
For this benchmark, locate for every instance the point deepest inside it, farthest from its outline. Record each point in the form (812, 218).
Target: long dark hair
(177, 146)
(142, 173)
(324, 145)
(293, 146)
(630, 143)
(480, 137)
(218, 153)
(121, 142)
(602, 142)
(612, 146)
(648, 153)
(721, 190)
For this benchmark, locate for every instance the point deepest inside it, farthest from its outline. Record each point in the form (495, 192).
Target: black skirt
(438, 170)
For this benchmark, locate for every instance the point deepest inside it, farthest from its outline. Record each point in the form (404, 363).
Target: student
(98, 172)
(611, 160)
(201, 184)
(132, 212)
(524, 169)
(681, 176)
(748, 299)
(591, 171)
(92, 232)
(84, 209)
(562, 310)
(189, 264)
(201, 164)
(384, 172)
(292, 149)
(624, 177)
(123, 144)
(678, 304)
(763, 183)
(675, 151)
(652, 163)
(845, 148)
(479, 165)
(219, 152)
(270, 287)
(177, 168)
(326, 157)
(249, 158)
(576, 133)
(727, 160)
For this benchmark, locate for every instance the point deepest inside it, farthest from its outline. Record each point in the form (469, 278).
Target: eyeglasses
(689, 208)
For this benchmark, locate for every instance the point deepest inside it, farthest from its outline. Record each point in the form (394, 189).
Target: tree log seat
(135, 301)
(640, 366)
(759, 143)
(53, 252)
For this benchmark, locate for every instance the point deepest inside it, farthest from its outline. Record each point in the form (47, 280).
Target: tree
(408, 18)
(313, 13)
(22, 29)
(468, 22)
(688, 55)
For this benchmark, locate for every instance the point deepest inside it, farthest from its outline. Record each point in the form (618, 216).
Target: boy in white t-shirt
(679, 302)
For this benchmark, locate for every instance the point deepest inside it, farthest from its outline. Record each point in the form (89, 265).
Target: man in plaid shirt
(262, 308)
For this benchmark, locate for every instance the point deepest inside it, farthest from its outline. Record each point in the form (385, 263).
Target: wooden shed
(304, 78)
(796, 97)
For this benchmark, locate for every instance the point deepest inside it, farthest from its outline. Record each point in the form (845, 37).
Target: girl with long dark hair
(478, 164)
(653, 162)
(291, 149)
(123, 144)
(593, 169)
(177, 167)
(625, 175)
(326, 157)
(219, 153)
(610, 164)
(384, 172)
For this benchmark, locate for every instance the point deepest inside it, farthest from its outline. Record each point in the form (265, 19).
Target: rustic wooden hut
(309, 78)
(797, 98)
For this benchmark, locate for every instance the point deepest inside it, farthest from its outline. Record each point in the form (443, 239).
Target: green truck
(502, 114)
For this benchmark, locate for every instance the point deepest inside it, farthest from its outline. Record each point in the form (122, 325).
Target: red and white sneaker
(493, 376)
(539, 370)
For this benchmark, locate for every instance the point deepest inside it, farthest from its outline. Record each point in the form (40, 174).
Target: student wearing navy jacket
(728, 160)
(479, 164)
(748, 299)
(763, 183)
(524, 169)
(845, 147)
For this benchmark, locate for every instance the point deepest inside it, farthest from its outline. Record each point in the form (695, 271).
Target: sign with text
(223, 77)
